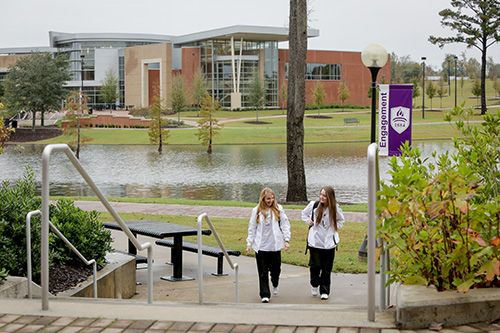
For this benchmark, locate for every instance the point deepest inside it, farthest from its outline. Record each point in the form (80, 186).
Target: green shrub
(3, 275)
(17, 201)
(81, 228)
(442, 217)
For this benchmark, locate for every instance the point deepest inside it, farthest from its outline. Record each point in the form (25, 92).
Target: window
(323, 72)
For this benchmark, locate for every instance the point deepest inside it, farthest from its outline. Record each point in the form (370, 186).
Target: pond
(232, 172)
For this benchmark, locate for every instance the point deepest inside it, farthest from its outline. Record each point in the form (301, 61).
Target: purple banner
(395, 109)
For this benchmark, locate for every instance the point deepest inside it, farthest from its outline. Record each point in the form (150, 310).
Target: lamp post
(423, 87)
(455, 57)
(374, 56)
(449, 81)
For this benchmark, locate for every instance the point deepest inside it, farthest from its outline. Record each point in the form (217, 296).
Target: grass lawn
(233, 232)
(317, 130)
(357, 207)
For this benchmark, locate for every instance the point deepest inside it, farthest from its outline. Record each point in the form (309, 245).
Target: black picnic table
(161, 230)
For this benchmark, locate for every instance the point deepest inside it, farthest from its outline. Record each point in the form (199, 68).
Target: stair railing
(200, 257)
(65, 240)
(45, 220)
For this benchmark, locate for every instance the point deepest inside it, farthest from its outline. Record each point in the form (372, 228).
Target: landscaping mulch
(62, 278)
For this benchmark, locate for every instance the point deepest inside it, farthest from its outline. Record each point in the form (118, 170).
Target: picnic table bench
(159, 229)
(351, 121)
(209, 250)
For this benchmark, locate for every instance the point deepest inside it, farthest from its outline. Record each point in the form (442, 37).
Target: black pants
(268, 262)
(320, 268)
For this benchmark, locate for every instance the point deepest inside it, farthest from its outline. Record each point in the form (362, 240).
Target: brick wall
(109, 119)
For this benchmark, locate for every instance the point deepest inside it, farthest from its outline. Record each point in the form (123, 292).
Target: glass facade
(322, 72)
(75, 49)
(257, 57)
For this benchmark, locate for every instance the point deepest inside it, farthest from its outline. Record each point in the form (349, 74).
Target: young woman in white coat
(268, 234)
(324, 219)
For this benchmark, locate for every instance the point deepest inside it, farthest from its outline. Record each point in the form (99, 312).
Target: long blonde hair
(263, 206)
(332, 207)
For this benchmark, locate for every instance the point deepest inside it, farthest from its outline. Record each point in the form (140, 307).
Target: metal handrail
(58, 233)
(45, 220)
(373, 186)
(200, 257)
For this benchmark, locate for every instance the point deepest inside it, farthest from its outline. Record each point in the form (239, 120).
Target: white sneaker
(314, 291)
(324, 296)
(265, 299)
(275, 291)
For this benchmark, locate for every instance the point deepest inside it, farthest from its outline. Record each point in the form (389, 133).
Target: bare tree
(296, 101)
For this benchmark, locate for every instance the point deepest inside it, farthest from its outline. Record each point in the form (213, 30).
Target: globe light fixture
(374, 57)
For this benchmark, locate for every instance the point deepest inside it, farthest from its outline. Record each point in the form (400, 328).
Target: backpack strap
(316, 204)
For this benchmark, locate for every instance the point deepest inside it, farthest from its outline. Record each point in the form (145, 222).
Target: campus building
(229, 58)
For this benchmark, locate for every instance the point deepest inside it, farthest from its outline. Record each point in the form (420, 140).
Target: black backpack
(316, 204)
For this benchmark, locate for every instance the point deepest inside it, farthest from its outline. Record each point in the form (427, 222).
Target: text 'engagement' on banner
(394, 109)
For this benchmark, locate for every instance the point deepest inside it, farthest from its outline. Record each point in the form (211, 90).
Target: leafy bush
(81, 228)
(174, 123)
(442, 218)
(3, 275)
(17, 201)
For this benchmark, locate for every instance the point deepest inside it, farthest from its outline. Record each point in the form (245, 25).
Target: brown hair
(331, 205)
(263, 206)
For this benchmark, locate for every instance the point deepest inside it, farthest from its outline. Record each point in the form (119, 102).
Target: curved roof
(248, 32)
(63, 37)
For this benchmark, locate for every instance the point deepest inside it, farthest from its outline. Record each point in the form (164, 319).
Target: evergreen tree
(477, 23)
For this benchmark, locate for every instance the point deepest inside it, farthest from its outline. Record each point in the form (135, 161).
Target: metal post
(455, 57)
(374, 72)
(372, 201)
(44, 280)
(423, 87)
(449, 81)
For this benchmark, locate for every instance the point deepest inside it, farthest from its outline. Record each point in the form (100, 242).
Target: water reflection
(230, 173)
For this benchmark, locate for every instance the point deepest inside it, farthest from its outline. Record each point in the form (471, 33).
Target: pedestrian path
(189, 210)
(175, 307)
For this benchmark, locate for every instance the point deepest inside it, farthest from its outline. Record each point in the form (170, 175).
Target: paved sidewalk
(212, 211)
(176, 307)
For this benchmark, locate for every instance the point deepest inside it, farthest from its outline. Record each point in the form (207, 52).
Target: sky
(401, 26)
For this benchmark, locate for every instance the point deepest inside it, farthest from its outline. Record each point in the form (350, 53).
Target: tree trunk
(160, 147)
(296, 101)
(34, 121)
(209, 149)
